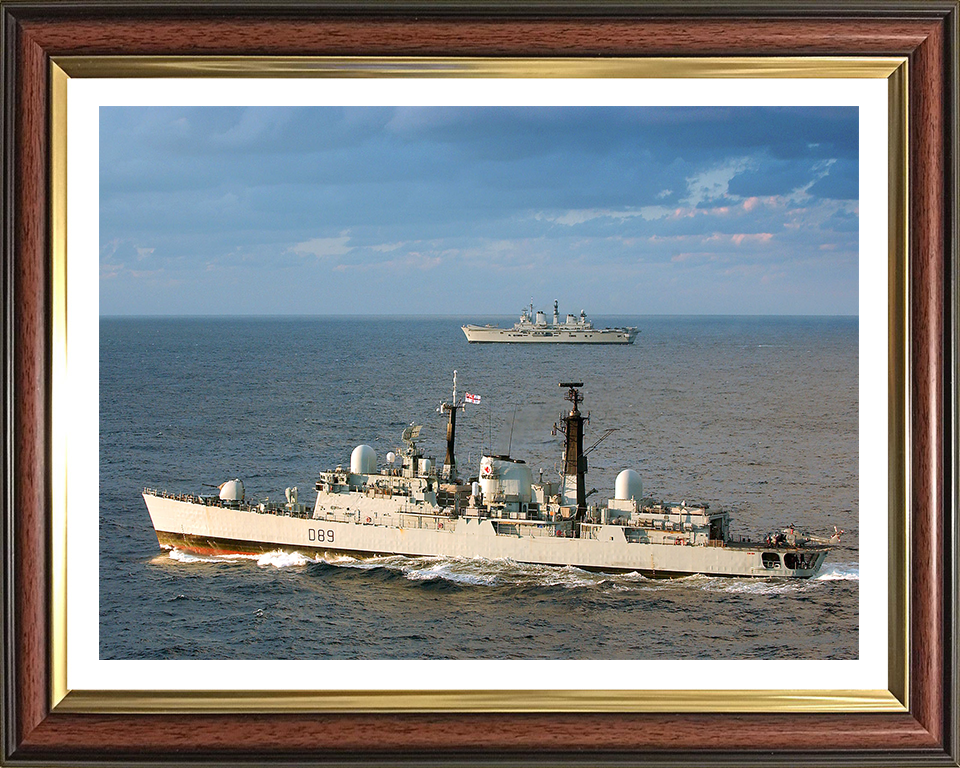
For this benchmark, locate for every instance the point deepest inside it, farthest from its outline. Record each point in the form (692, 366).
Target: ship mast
(573, 489)
(451, 408)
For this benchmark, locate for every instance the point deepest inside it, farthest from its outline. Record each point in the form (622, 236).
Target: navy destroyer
(411, 505)
(533, 328)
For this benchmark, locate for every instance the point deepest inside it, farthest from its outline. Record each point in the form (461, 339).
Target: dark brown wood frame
(925, 32)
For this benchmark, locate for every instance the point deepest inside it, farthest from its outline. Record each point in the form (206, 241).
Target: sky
(478, 211)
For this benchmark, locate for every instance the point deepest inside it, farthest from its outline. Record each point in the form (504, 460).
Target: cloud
(714, 183)
(758, 237)
(323, 247)
(386, 247)
(572, 218)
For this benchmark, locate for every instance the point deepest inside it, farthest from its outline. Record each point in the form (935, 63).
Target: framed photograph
(120, 121)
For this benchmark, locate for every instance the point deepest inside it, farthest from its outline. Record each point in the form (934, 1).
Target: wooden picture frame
(36, 731)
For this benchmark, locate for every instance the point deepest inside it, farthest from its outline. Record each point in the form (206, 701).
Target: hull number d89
(320, 535)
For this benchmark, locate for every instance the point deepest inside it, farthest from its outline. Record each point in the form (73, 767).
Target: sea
(758, 415)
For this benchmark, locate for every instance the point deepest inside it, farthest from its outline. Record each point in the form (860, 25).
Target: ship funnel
(628, 486)
(572, 489)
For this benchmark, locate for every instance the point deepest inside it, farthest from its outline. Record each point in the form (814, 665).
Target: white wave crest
(281, 559)
(189, 557)
(839, 572)
(452, 571)
(367, 563)
(478, 571)
(507, 573)
(569, 577)
(761, 587)
(277, 558)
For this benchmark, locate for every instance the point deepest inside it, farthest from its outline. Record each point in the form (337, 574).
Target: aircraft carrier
(533, 328)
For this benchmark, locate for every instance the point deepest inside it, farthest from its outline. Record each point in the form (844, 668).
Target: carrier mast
(573, 489)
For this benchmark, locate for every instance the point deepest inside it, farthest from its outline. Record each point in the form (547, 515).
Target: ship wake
(277, 558)
(431, 572)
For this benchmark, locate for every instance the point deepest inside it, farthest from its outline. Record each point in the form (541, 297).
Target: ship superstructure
(534, 328)
(412, 506)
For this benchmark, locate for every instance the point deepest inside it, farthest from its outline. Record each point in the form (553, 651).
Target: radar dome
(628, 486)
(391, 457)
(232, 490)
(363, 460)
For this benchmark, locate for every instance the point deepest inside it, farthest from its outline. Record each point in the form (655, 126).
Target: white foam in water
(633, 576)
(448, 572)
(189, 557)
(277, 558)
(479, 571)
(280, 559)
(339, 560)
(761, 587)
(365, 564)
(570, 577)
(839, 572)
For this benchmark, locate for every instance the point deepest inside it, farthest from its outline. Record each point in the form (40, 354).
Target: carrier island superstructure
(412, 506)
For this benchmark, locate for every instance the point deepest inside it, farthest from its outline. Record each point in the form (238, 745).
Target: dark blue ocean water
(758, 415)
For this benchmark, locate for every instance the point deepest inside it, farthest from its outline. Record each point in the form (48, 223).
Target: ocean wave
(281, 559)
(450, 570)
(839, 572)
(774, 586)
(277, 558)
(759, 586)
(480, 572)
(508, 574)
(180, 556)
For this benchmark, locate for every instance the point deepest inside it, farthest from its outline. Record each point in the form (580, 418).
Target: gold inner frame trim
(59, 406)
(413, 66)
(893, 69)
(898, 384)
(233, 702)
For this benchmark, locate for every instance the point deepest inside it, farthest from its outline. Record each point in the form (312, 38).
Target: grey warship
(534, 328)
(418, 507)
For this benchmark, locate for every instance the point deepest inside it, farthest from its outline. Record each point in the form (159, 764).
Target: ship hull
(213, 529)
